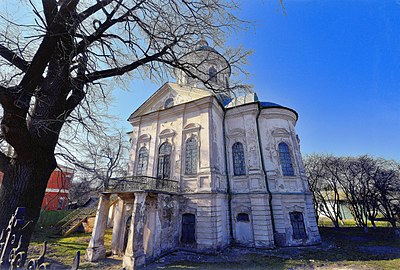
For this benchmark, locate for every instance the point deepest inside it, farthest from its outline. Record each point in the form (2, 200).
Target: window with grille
(212, 74)
(164, 161)
(239, 167)
(299, 231)
(142, 161)
(191, 156)
(285, 159)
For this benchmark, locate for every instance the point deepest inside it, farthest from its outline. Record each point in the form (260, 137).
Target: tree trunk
(24, 185)
(335, 223)
(373, 223)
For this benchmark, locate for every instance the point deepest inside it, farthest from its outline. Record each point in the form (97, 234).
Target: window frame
(140, 161)
(168, 103)
(164, 160)
(212, 74)
(298, 226)
(191, 155)
(285, 159)
(238, 159)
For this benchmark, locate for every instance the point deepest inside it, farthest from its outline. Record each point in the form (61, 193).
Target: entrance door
(188, 228)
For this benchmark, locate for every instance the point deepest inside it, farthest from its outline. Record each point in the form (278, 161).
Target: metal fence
(143, 183)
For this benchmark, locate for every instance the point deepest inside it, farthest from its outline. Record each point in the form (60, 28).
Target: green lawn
(345, 248)
(326, 222)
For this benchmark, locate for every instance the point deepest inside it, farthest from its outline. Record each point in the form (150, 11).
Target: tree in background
(97, 159)
(322, 175)
(386, 185)
(53, 70)
(369, 186)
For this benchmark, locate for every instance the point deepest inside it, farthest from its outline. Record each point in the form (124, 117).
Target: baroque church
(207, 171)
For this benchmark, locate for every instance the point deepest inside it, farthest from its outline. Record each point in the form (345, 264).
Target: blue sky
(337, 63)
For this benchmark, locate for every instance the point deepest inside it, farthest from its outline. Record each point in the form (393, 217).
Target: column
(134, 256)
(96, 249)
(119, 225)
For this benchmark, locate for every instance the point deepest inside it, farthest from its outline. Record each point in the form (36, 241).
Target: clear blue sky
(337, 63)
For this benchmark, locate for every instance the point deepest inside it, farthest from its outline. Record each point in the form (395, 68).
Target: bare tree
(386, 186)
(49, 77)
(323, 177)
(370, 186)
(97, 159)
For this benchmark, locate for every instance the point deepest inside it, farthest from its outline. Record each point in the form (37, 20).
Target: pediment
(169, 95)
(167, 133)
(191, 127)
(144, 138)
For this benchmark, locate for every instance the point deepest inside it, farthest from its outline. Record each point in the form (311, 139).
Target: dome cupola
(206, 63)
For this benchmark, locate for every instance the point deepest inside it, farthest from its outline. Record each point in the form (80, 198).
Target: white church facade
(208, 170)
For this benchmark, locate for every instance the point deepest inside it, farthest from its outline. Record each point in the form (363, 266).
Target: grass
(62, 250)
(50, 218)
(345, 248)
(326, 222)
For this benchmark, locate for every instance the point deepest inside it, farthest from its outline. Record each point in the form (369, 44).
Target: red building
(57, 191)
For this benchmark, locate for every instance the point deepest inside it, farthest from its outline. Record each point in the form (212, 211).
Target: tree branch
(45, 51)
(97, 75)
(13, 58)
(50, 10)
(93, 9)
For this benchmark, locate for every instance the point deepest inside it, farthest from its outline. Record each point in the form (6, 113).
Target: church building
(208, 170)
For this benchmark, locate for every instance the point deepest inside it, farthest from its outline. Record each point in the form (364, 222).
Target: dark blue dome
(265, 104)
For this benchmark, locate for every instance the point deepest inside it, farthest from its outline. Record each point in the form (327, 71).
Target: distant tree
(53, 66)
(322, 174)
(369, 186)
(354, 182)
(97, 159)
(386, 189)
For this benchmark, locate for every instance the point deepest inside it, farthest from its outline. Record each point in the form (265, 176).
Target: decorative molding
(144, 138)
(167, 133)
(192, 127)
(236, 133)
(280, 132)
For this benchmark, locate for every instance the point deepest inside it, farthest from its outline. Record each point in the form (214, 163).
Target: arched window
(286, 160)
(239, 167)
(243, 217)
(169, 103)
(191, 156)
(142, 161)
(164, 161)
(297, 221)
(212, 74)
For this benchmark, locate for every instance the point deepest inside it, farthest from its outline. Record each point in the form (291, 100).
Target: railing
(13, 253)
(143, 183)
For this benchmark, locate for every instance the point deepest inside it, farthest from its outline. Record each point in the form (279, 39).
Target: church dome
(208, 64)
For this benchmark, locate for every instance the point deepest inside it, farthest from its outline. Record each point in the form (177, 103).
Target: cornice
(279, 113)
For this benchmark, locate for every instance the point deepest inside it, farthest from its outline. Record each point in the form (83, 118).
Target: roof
(268, 105)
